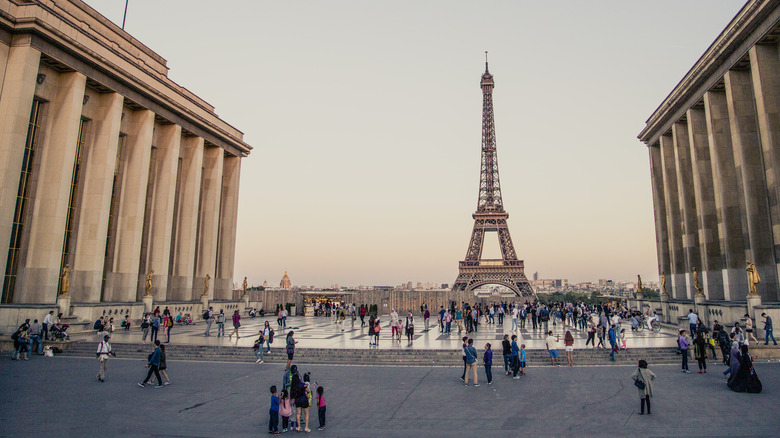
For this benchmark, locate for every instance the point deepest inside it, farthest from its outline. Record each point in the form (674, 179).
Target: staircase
(379, 357)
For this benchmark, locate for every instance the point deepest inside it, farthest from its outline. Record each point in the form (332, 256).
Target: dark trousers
(156, 370)
(154, 333)
(643, 401)
(684, 359)
(507, 361)
(463, 377)
(285, 422)
(591, 339)
(702, 364)
(45, 331)
(321, 415)
(273, 420)
(724, 351)
(515, 365)
(489, 372)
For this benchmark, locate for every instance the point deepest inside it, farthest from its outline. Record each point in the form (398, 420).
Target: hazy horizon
(365, 118)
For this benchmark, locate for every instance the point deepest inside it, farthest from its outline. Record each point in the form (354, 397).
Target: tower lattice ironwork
(491, 217)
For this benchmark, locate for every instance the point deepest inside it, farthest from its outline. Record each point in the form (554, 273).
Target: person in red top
(236, 325)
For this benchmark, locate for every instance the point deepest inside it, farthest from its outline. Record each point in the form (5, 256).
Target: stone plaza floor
(60, 397)
(322, 332)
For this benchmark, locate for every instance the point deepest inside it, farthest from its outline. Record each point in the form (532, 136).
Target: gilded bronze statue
(753, 277)
(66, 279)
(696, 283)
(149, 283)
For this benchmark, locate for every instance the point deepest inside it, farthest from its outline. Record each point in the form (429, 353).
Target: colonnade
(716, 184)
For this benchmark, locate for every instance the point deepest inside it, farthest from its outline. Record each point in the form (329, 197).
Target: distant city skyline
(365, 119)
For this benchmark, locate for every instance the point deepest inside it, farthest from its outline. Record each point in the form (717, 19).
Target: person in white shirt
(514, 318)
(693, 321)
(104, 351)
(47, 320)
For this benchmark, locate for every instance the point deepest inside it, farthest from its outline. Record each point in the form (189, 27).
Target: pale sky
(365, 118)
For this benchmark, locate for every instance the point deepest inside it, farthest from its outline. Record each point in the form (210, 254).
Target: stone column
(209, 218)
(748, 158)
(122, 280)
(226, 254)
(99, 161)
(659, 210)
(764, 66)
(706, 211)
(726, 194)
(39, 267)
(673, 218)
(168, 139)
(685, 189)
(187, 220)
(18, 87)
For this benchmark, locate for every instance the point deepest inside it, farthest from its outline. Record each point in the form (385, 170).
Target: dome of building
(285, 283)
(265, 284)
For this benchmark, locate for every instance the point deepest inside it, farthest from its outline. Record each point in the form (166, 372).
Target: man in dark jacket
(154, 365)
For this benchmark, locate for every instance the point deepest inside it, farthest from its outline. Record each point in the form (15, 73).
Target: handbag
(640, 383)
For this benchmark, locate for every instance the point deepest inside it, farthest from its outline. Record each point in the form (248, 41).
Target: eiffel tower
(491, 217)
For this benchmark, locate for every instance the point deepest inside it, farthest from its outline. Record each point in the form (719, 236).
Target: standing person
(463, 354)
(393, 322)
(156, 327)
(220, 317)
(209, 317)
(568, 342)
(643, 380)
(268, 336)
(693, 321)
(285, 314)
(749, 330)
(591, 334)
(35, 332)
(552, 347)
(700, 351)
(168, 322)
(410, 327)
(258, 348)
(377, 327)
(459, 320)
(768, 329)
(506, 351)
(236, 325)
(426, 319)
(363, 315)
(487, 361)
(515, 357)
(290, 348)
(522, 360)
(447, 322)
(613, 347)
(285, 409)
(623, 339)
(514, 318)
(47, 322)
(321, 407)
(442, 312)
(103, 353)
(471, 362)
(273, 413)
(683, 343)
(145, 324)
(154, 366)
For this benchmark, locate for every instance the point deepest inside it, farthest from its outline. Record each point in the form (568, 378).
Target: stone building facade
(107, 166)
(714, 146)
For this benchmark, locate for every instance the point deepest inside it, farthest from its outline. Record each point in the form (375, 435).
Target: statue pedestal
(640, 296)
(701, 308)
(148, 301)
(665, 307)
(204, 299)
(753, 300)
(63, 302)
(246, 300)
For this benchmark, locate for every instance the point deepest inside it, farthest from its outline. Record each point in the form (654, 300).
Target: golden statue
(663, 284)
(753, 278)
(639, 283)
(244, 285)
(696, 283)
(206, 284)
(149, 283)
(66, 279)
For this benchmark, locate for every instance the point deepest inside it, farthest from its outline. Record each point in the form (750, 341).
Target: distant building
(285, 283)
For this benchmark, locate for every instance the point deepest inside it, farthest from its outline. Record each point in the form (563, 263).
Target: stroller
(59, 332)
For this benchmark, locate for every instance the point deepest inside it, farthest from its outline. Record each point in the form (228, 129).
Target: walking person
(290, 345)
(163, 366)
(145, 324)
(236, 325)
(700, 352)
(103, 353)
(20, 343)
(487, 361)
(613, 347)
(208, 315)
(153, 364)
(426, 319)
(693, 321)
(552, 347)
(768, 329)
(568, 342)
(47, 322)
(591, 335)
(749, 330)
(643, 380)
(683, 343)
(471, 362)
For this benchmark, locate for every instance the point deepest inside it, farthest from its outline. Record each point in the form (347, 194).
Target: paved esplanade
(321, 332)
(61, 397)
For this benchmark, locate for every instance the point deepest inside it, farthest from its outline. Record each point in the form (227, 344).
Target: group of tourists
(298, 394)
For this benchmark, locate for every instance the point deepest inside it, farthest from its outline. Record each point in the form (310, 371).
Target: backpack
(271, 336)
(206, 314)
(15, 336)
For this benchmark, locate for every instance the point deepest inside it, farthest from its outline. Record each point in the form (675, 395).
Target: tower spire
(486, 62)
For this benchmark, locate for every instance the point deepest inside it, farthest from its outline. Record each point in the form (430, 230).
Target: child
(273, 421)
(321, 406)
(522, 359)
(487, 359)
(400, 329)
(285, 409)
(623, 339)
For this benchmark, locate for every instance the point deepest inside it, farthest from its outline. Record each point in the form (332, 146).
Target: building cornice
(748, 27)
